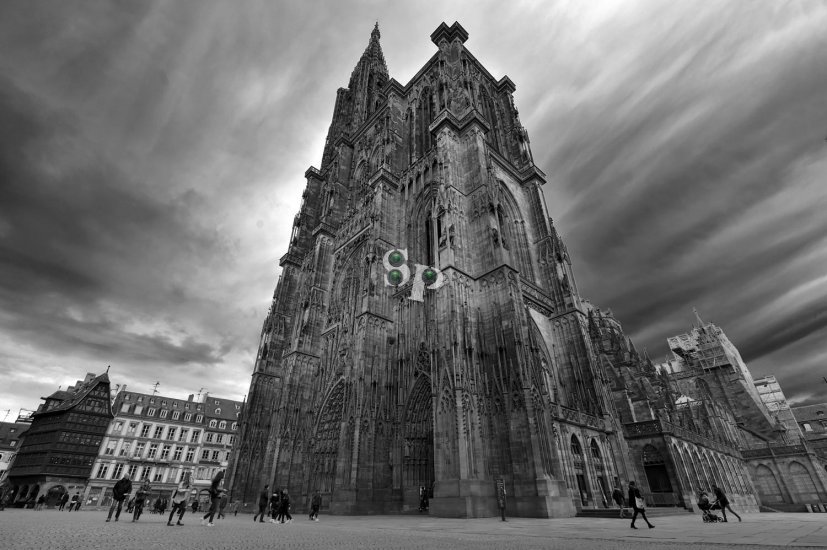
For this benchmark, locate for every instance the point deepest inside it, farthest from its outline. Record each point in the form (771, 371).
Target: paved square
(52, 530)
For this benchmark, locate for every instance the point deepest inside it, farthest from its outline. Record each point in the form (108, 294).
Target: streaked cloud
(153, 156)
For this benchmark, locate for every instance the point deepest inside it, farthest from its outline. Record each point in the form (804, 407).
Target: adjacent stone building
(159, 439)
(61, 444)
(784, 468)
(812, 423)
(11, 434)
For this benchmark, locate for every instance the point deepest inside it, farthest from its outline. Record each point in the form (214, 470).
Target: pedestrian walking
(285, 508)
(179, 500)
(617, 496)
(64, 498)
(638, 505)
(263, 498)
(215, 494)
(315, 504)
(75, 503)
(234, 508)
(275, 506)
(222, 503)
(138, 502)
(122, 488)
(723, 502)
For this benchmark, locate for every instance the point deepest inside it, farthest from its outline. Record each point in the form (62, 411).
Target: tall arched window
(491, 116)
(429, 243)
(595, 450)
(576, 449)
(425, 115)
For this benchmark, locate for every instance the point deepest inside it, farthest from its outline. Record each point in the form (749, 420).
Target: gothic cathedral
(374, 389)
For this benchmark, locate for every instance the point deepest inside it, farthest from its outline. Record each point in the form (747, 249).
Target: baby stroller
(705, 507)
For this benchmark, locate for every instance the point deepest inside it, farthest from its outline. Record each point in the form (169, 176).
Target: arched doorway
(54, 494)
(597, 461)
(22, 494)
(767, 485)
(655, 468)
(418, 441)
(579, 470)
(326, 446)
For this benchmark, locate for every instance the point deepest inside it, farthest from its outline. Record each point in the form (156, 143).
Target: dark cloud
(152, 153)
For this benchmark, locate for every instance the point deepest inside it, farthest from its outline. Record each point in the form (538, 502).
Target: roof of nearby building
(10, 431)
(67, 399)
(810, 412)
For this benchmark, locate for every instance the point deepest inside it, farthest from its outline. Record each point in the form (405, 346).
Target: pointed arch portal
(418, 437)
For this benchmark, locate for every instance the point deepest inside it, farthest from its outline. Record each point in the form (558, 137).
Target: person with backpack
(215, 495)
(122, 488)
(263, 499)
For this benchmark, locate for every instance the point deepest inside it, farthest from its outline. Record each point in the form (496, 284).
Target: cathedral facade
(427, 334)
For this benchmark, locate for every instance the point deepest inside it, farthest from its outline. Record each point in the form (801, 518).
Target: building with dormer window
(60, 446)
(159, 438)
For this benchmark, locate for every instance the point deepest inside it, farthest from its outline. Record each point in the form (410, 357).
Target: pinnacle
(372, 60)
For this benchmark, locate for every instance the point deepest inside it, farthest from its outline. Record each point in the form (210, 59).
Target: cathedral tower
(370, 387)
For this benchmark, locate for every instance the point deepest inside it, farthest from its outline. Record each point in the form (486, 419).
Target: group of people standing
(638, 504)
(277, 506)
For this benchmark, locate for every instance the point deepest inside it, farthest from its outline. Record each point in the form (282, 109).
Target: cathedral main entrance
(418, 445)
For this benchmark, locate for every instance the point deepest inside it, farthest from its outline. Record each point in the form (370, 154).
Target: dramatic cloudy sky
(153, 153)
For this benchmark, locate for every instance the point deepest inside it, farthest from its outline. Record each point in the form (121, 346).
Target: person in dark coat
(315, 504)
(723, 502)
(140, 499)
(617, 496)
(122, 488)
(263, 498)
(215, 495)
(275, 506)
(75, 502)
(284, 509)
(63, 500)
(634, 495)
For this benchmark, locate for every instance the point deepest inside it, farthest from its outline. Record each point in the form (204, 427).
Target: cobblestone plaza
(26, 529)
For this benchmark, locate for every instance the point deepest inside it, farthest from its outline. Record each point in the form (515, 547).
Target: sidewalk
(29, 530)
(797, 530)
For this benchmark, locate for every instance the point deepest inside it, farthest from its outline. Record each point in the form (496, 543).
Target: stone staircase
(614, 513)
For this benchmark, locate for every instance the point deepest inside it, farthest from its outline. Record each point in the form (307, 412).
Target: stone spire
(368, 78)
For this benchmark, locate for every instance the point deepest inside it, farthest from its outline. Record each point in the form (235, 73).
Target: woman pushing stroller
(706, 507)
